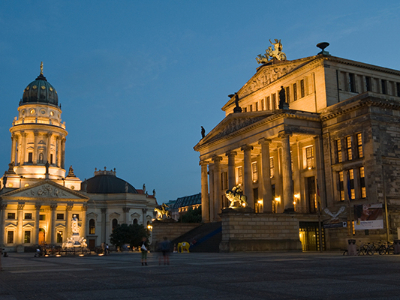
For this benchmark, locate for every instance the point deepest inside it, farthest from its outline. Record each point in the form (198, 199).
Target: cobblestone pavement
(202, 276)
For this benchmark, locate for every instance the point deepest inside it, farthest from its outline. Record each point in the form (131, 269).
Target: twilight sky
(137, 79)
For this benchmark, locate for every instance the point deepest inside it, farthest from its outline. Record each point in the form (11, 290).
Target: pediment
(44, 190)
(91, 215)
(29, 225)
(135, 215)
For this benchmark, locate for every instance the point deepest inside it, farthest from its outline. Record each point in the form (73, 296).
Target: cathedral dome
(107, 183)
(40, 91)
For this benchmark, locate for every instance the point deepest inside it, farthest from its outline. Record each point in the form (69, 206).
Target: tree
(128, 234)
(192, 216)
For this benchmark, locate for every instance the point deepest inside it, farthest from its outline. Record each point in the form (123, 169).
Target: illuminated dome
(40, 91)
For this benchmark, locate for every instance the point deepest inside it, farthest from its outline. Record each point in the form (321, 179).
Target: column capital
(216, 158)
(69, 206)
(23, 133)
(21, 205)
(126, 209)
(103, 210)
(284, 134)
(230, 153)
(3, 206)
(263, 141)
(53, 207)
(84, 208)
(36, 133)
(246, 148)
(38, 206)
(203, 163)
(49, 134)
(317, 137)
(144, 210)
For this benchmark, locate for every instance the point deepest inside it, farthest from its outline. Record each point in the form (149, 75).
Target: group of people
(164, 247)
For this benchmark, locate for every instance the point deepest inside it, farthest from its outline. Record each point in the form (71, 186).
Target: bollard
(351, 248)
(396, 246)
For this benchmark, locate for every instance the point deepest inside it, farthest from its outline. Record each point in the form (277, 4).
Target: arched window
(114, 223)
(92, 227)
(134, 221)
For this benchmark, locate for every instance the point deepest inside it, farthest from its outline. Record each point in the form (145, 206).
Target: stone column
(48, 148)
(23, 147)
(17, 150)
(52, 224)
(13, 140)
(231, 169)
(319, 163)
(126, 214)
(37, 226)
(247, 180)
(205, 201)
(266, 176)
(144, 210)
(20, 218)
(63, 153)
(103, 225)
(35, 147)
(287, 173)
(83, 225)
(2, 223)
(59, 151)
(68, 213)
(212, 194)
(217, 187)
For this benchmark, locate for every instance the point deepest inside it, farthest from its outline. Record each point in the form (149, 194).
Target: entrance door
(309, 236)
(311, 195)
(92, 244)
(41, 237)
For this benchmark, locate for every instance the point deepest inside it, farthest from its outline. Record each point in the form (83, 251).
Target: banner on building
(334, 219)
(368, 216)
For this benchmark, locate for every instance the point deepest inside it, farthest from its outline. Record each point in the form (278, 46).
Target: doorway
(42, 237)
(311, 195)
(309, 236)
(92, 244)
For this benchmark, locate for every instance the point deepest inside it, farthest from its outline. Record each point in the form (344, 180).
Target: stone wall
(170, 230)
(259, 232)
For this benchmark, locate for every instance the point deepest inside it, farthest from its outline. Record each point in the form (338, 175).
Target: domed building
(38, 198)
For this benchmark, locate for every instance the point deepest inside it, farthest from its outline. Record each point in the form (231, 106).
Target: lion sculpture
(236, 197)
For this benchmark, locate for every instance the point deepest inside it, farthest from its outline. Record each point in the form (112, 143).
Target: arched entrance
(42, 237)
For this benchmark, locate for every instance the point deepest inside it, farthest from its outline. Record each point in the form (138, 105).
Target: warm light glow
(10, 185)
(26, 184)
(244, 204)
(101, 254)
(58, 255)
(309, 168)
(294, 202)
(260, 202)
(297, 196)
(278, 199)
(149, 227)
(81, 254)
(46, 255)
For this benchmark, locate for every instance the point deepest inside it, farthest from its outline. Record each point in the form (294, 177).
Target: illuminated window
(339, 151)
(310, 157)
(10, 237)
(302, 89)
(11, 216)
(362, 183)
(352, 191)
(92, 226)
(271, 167)
(359, 145)
(352, 83)
(239, 175)
(341, 186)
(348, 148)
(27, 237)
(59, 237)
(28, 216)
(294, 91)
(254, 171)
(60, 216)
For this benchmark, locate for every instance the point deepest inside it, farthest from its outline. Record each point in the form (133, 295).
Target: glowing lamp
(278, 199)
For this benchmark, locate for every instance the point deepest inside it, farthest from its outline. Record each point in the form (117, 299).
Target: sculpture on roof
(236, 197)
(203, 132)
(162, 212)
(272, 54)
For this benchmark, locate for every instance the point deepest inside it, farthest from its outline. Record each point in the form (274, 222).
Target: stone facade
(171, 230)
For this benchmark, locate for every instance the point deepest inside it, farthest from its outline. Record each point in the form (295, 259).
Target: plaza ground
(202, 276)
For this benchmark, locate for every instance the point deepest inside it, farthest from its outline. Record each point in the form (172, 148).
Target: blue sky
(137, 79)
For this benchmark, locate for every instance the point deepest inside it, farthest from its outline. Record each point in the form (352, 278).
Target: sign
(368, 216)
(335, 225)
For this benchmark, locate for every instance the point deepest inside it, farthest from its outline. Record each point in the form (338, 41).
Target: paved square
(202, 276)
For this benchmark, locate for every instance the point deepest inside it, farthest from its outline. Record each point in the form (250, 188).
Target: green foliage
(128, 234)
(192, 216)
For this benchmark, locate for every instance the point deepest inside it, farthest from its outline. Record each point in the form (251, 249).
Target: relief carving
(236, 125)
(45, 190)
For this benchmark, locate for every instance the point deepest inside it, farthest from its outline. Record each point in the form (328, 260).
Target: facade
(333, 145)
(181, 205)
(38, 198)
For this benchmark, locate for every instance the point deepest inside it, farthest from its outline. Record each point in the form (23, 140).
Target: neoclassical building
(334, 144)
(38, 198)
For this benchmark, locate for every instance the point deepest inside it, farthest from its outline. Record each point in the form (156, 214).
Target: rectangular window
(398, 89)
(348, 148)
(30, 157)
(302, 89)
(28, 216)
(339, 151)
(59, 237)
(384, 86)
(294, 91)
(256, 106)
(310, 157)
(359, 146)
(352, 191)
(254, 171)
(368, 84)
(262, 104)
(60, 216)
(273, 102)
(287, 95)
(251, 108)
(10, 237)
(362, 183)
(27, 237)
(268, 104)
(352, 82)
(271, 167)
(341, 186)
(245, 109)
(239, 175)
(11, 216)
(51, 159)
(42, 217)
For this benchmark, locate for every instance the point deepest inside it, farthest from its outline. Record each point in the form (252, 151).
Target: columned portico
(20, 219)
(205, 202)
(69, 218)
(266, 175)
(247, 180)
(287, 173)
(217, 187)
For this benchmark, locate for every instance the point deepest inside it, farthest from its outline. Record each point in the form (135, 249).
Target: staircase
(205, 238)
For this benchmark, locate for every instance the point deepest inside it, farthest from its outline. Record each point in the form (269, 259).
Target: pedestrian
(107, 250)
(144, 248)
(37, 253)
(165, 248)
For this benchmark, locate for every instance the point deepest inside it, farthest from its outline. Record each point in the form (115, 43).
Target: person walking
(166, 248)
(144, 248)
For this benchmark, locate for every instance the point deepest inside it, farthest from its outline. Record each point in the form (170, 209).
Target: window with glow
(41, 158)
(294, 91)
(271, 167)
(302, 89)
(27, 237)
(359, 145)
(310, 157)
(352, 191)
(11, 216)
(92, 226)
(348, 148)
(341, 186)
(339, 151)
(362, 183)
(239, 175)
(59, 237)
(10, 237)
(254, 171)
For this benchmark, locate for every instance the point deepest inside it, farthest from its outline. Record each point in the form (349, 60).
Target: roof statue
(41, 68)
(275, 54)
